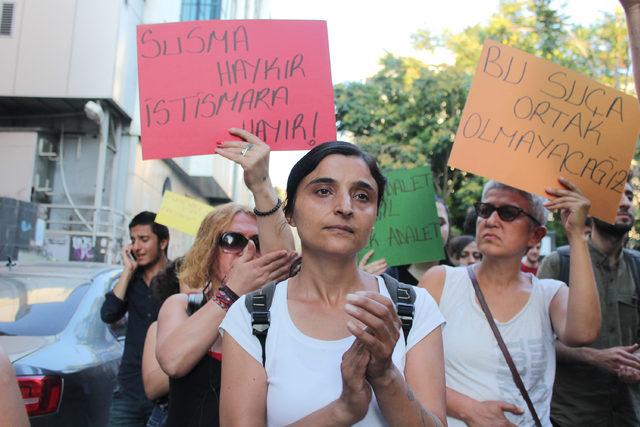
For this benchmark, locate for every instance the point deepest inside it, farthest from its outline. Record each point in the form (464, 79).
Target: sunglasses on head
(506, 213)
(233, 243)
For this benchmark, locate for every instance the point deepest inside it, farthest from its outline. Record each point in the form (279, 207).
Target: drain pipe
(96, 113)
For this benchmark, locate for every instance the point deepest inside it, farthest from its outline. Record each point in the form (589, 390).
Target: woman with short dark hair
(334, 354)
(463, 250)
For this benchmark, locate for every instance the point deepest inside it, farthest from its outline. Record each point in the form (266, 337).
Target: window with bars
(195, 10)
(6, 19)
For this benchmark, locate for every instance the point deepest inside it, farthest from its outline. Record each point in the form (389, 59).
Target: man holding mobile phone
(143, 258)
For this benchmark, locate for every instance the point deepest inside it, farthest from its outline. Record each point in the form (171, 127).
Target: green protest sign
(407, 230)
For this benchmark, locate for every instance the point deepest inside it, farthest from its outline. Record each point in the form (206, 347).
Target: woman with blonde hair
(194, 272)
(226, 260)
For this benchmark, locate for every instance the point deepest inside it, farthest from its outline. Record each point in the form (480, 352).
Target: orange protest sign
(528, 121)
(198, 79)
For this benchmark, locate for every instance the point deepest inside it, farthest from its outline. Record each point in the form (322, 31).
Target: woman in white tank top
(334, 354)
(530, 313)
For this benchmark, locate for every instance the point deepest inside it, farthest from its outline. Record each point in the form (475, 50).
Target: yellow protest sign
(528, 121)
(181, 212)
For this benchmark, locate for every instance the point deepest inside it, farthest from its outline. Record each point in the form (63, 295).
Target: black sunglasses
(506, 213)
(233, 243)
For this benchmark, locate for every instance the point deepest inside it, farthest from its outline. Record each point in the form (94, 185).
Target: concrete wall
(245, 9)
(17, 148)
(125, 74)
(74, 184)
(158, 11)
(77, 169)
(131, 184)
(9, 48)
(145, 193)
(224, 171)
(74, 49)
(87, 49)
(228, 176)
(44, 48)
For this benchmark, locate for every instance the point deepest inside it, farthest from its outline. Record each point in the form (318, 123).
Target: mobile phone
(131, 255)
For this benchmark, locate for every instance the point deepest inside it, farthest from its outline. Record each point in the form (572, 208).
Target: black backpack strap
(194, 302)
(632, 258)
(564, 264)
(404, 298)
(258, 304)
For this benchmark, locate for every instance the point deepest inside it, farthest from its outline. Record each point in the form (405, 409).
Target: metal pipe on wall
(102, 158)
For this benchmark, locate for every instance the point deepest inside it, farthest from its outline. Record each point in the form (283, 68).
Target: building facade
(71, 169)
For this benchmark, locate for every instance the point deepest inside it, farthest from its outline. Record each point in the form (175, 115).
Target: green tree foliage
(407, 114)
(599, 50)
(533, 26)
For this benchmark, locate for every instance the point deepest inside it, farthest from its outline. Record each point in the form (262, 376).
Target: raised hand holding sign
(198, 79)
(528, 122)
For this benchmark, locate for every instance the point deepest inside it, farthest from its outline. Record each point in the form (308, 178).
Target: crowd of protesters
(243, 330)
(249, 332)
(337, 352)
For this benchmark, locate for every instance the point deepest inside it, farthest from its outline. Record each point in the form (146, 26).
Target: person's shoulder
(550, 265)
(270, 289)
(427, 317)
(136, 281)
(632, 259)
(435, 272)
(175, 302)
(432, 276)
(554, 257)
(137, 275)
(276, 293)
(548, 275)
(179, 298)
(5, 363)
(423, 296)
(439, 273)
(239, 308)
(548, 282)
(433, 281)
(548, 288)
(632, 253)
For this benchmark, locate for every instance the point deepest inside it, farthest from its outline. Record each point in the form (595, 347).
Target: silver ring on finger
(246, 149)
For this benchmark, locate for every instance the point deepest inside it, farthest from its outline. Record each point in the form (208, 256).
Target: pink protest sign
(197, 79)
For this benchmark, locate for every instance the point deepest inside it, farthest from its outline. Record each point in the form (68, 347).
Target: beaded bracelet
(270, 211)
(227, 290)
(225, 297)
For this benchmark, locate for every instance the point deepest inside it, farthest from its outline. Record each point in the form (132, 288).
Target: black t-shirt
(401, 272)
(194, 399)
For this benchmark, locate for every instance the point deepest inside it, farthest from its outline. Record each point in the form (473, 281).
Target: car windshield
(38, 305)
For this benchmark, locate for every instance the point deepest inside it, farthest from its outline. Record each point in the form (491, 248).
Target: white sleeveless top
(474, 364)
(303, 373)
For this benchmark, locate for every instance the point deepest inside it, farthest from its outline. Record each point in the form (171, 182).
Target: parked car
(65, 358)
